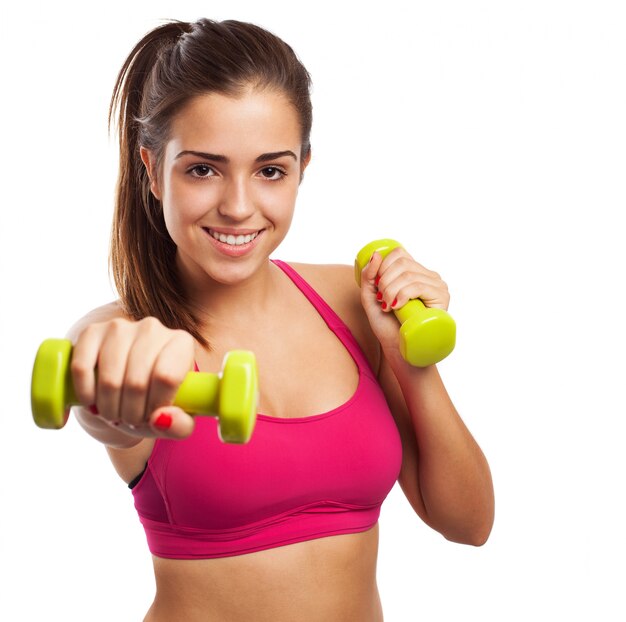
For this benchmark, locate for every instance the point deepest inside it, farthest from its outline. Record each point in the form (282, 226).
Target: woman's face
(228, 182)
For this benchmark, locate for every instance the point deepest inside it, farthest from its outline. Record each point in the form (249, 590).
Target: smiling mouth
(232, 240)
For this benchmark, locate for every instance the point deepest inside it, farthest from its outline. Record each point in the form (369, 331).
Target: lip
(231, 250)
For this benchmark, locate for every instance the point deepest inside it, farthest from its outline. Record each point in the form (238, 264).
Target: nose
(236, 201)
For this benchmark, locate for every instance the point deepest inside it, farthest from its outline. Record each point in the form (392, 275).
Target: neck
(221, 305)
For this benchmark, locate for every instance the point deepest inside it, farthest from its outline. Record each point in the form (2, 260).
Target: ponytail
(142, 253)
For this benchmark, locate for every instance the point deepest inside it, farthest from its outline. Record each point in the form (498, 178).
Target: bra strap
(334, 322)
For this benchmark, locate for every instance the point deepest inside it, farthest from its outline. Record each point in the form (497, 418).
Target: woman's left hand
(389, 283)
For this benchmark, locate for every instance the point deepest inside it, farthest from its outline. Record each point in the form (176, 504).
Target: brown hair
(170, 65)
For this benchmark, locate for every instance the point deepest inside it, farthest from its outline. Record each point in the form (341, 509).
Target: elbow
(472, 535)
(477, 538)
(481, 531)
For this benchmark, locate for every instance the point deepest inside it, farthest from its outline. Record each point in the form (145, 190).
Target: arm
(444, 475)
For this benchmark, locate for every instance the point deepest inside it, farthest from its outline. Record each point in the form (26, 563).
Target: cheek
(278, 199)
(184, 204)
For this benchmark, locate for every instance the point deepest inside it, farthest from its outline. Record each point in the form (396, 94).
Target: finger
(397, 262)
(141, 357)
(400, 271)
(111, 368)
(83, 366)
(173, 363)
(408, 286)
(432, 296)
(171, 422)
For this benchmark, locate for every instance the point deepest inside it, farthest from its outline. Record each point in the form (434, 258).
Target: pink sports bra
(297, 479)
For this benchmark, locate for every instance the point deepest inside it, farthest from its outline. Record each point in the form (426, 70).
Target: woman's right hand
(126, 375)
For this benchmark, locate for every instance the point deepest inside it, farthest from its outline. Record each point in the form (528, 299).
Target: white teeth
(231, 239)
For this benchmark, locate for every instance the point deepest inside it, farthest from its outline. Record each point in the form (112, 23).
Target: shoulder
(103, 313)
(336, 284)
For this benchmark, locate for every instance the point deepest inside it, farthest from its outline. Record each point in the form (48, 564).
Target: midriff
(331, 578)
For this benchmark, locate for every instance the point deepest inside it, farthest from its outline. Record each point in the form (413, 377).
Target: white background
(490, 138)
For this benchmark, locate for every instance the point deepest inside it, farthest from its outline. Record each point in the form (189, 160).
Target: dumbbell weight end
(230, 395)
(427, 335)
(51, 389)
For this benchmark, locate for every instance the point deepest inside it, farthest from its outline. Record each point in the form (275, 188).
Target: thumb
(171, 422)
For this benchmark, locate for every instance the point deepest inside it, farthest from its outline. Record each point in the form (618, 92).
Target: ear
(305, 163)
(147, 157)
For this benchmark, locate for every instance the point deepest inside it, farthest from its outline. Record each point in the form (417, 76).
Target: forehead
(258, 121)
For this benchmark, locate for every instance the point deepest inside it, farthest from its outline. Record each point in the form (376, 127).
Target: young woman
(214, 125)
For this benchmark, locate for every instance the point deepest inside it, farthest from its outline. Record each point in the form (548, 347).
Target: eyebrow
(264, 157)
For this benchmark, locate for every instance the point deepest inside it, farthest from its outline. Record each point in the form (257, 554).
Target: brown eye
(273, 173)
(201, 170)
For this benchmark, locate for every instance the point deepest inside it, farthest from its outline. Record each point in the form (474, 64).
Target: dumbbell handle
(409, 309)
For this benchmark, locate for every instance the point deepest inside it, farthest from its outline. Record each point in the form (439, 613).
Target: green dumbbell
(427, 335)
(231, 396)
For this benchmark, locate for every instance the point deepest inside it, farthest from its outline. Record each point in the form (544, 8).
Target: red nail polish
(384, 305)
(379, 296)
(163, 421)
(93, 409)
(395, 302)
(377, 280)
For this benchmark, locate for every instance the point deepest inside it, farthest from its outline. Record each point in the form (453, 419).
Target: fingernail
(379, 296)
(377, 280)
(93, 409)
(384, 305)
(395, 302)
(163, 421)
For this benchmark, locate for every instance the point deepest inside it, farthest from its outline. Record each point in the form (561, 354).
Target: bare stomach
(319, 580)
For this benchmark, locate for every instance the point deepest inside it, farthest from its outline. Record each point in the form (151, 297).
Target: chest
(304, 367)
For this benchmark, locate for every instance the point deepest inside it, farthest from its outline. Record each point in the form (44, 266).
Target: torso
(327, 578)
(318, 580)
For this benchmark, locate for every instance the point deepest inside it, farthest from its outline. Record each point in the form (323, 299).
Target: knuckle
(182, 336)
(135, 386)
(108, 382)
(79, 369)
(118, 326)
(407, 275)
(150, 323)
(90, 331)
(404, 294)
(167, 378)
(179, 333)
